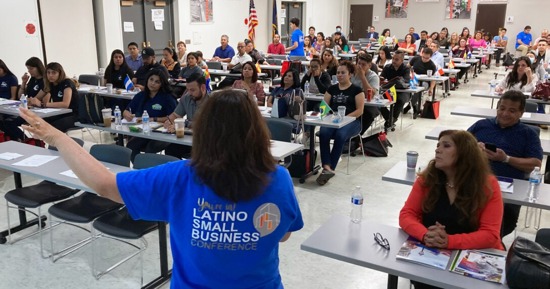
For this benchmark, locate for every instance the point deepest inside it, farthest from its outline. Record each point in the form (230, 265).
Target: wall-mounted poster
(201, 11)
(396, 8)
(458, 9)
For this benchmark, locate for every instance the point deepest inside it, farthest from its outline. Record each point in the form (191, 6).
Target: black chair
(33, 197)
(119, 225)
(281, 130)
(214, 65)
(543, 237)
(90, 79)
(87, 206)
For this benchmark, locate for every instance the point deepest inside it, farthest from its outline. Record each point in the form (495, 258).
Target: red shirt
(276, 49)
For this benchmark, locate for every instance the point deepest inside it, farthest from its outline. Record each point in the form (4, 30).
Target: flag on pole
(391, 94)
(413, 77)
(324, 108)
(451, 64)
(128, 83)
(440, 71)
(353, 49)
(252, 21)
(274, 21)
(207, 77)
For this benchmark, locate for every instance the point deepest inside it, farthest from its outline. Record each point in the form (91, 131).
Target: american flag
(252, 21)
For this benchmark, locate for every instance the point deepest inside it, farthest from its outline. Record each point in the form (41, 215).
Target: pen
(509, 185)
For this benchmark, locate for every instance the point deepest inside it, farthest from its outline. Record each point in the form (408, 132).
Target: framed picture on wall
(458, 9)
(201, 11)
(396, 8)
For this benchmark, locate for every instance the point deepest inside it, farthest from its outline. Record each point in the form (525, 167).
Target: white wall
(108, 29)
(16, 45)
(325, 15)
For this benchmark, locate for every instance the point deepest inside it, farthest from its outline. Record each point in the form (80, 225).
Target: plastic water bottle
(118, 116)
(534, 185)
(450, 53)
(306, 87)
(145, 121)
(356, 205)
(492, 86)
(469, 55)
(23, 101)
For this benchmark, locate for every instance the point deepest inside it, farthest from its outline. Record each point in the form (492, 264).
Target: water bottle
(145, 121)
(118, 116)
(356, 205)
(492, 86)
(306, 87)
(534, 185)
(450, 54)
(23, 100)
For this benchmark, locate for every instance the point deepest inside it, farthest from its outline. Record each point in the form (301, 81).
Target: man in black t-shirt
(420, 64)
(396, 69)
(149, 62)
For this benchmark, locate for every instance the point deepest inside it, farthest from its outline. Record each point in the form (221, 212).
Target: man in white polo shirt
(240, 58)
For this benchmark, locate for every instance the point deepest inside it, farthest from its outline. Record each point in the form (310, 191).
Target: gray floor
(22, 267)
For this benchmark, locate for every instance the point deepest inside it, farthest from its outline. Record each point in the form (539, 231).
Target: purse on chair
(528, 265)
(542, 91)
(296, 106)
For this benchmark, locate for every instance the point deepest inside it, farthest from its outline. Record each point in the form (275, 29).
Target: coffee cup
(179, 125)
(341, 112)
(430, 72)
(412, 158)
(106, 112)
(109, 87)
(224, 65)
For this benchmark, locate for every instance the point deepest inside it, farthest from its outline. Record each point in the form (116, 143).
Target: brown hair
(472, 169)
(231, 146)
(55, 67)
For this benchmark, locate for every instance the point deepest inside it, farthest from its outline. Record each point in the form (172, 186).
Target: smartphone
(491, 147)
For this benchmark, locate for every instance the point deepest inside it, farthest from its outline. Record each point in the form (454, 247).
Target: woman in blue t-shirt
(8, 82)
(229, 206)
(290, 82)
(352, 97)
(158, 101)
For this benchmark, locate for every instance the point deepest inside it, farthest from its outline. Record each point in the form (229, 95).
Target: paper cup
(179, 124)
(106, 112)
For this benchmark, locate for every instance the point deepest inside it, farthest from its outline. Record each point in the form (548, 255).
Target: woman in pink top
(249, 82)
(477, 41)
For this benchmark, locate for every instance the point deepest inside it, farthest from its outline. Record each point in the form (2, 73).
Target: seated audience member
(518, 147)
(408, 45)
(255, 54)
(329, 44)
(320, 43)
(224, 52)
(367, 80)
(319, 80)
(340, 42)
(386, 38)
(453, 42)
(396, 69)
(434, 36)
(116, 73)
(8, 82)
(456, 202)
(352, 97)
(465, 33)
(500, 41)
(339, 29)
(521, 77)
(309, 50)
(290, 84)
(157, 100)
(383, 58)
(421, 43)
(444, 38)
(242, 179)
(524, 40)
(149, 63)
(373, 67)
(32, 83)
(276, 47)
(200, 60)
(194, 97)
(182, 53)
(170, 63)
(543, 35)
(537, 67)
(311, 34)
(542, 55)
(414, 34)
(192, 66)
(420, 64)
(297, 39)
(249, 82)
(329, 62)
(477, 41)
(240, 58)
(437, 57)
(134, 60)
(461, 52)
(372, 35)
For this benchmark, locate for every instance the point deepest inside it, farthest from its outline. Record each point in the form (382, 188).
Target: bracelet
(506, 159)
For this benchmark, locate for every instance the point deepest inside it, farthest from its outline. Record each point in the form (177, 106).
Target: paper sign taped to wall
(157, 14)
(128, 26)
(158, 25)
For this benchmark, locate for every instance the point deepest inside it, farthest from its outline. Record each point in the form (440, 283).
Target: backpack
(89, 109)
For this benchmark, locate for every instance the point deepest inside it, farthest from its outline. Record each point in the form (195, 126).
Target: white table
(493, 96)
(528, 117)
(438, 79)
(342, 240)
(102, 91)
(13, 109)
(381, 102)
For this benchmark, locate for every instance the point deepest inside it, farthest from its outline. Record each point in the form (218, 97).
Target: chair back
(112, 153)
(148, 160)
(91, 79)
(214, 65)
(543, 237)
(536, 128)
(281, 130)
(531, 106)
(77, 140)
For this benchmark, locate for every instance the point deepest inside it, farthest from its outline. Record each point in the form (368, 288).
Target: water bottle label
(357, 201)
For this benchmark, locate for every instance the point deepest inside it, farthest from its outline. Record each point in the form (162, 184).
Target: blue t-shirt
(297, 36)
(6, 83)
(57, 93)
(163, 104)
(228, 52)
(215, 243)
(526, 38)
(518, 140)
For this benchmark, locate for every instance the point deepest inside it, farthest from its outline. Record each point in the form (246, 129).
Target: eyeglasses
(381, 241)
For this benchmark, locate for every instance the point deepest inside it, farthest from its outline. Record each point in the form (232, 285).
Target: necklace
(450, 185)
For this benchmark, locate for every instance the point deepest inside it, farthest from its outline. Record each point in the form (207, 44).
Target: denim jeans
(340, 136)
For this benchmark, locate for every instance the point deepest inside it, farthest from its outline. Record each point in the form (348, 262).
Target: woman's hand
(39, 128)
(25, 78)
(34, 101)
(436, 236)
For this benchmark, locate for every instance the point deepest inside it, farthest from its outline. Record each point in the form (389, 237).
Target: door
(490, 17)
(292, 10)
(152, 22)
(359, 21)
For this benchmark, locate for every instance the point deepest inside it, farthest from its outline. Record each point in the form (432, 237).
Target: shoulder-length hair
(472, 170)
(295, 78)
(111, 67)
(164, 84)
(513, 77)
(55, 67)
(5, 68)
(38, 64)
(226, 121)
(387, 53)
(254, 71)
(333, 62)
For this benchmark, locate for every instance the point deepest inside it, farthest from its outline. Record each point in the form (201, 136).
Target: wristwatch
(506, 159)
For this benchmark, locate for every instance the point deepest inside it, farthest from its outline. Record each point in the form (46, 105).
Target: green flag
(324, 108)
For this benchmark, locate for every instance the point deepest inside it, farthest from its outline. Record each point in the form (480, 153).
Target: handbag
(279, 108)
(296, 106)
(89, 109)
(398, 81)
(376, 145)
(508, 59)
(431, 109)
(528, 265)
(542, 91)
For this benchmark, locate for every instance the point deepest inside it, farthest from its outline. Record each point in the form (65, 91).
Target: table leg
(120, 140)
(392, 281)
(23, 222)
(314, 169)
(165, 274)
